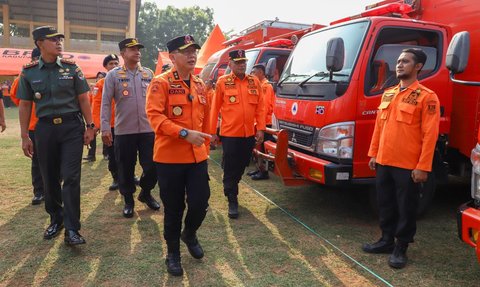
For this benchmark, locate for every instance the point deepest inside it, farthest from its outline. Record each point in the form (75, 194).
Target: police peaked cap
(109, 58)
(181, 43)
(129, 42)
(46, 32)
(237, 55)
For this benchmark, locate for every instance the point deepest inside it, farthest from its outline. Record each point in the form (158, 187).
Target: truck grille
(298, 134)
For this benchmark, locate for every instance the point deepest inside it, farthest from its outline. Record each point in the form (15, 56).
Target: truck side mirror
(335, 54)
(270, 68)
(458, 52)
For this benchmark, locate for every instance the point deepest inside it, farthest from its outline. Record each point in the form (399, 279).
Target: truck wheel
(425, 194)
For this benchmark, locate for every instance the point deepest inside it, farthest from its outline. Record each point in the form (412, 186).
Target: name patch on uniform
(66, 78)
(146, 80)
(176, 91)
(252, 92)
(123, 80)
(252, 87)
(230, 86)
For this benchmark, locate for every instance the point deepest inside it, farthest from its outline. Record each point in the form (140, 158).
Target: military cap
(103, 74)
(259, 66)
(237, 55)
(129, 42)
(181, 43)
(35, 53)
(45, 32)
(109, 58)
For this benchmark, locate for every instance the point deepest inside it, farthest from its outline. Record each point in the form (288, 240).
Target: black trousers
(126, 148)
(237, 152)
(176, 181)
(37, 181)
(112, 163)
(59, 149)
(397, 197)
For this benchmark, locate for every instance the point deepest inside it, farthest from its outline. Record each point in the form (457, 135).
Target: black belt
(59, 119)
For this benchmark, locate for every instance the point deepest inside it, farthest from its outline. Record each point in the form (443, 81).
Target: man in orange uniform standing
(37, 181)
(401, 151)
(109, 62)
(269, 97)
(178, 111)
(239, 98)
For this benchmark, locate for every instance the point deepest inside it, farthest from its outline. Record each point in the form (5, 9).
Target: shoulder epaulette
(426, 89)
(31, 64)
(67, 61)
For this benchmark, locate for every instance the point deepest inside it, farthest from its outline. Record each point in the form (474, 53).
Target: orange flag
(211, 45)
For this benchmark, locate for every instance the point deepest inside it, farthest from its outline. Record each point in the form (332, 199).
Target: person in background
(401, 151)
(269, 95)
(37, 181)
(60, 92)
(127, 86)
(3, 124)
(239, 98)
(92, 148)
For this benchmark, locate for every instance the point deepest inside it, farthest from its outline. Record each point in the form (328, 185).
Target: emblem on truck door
(294, 108)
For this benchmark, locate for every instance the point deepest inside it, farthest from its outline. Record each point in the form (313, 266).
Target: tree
(155, 27)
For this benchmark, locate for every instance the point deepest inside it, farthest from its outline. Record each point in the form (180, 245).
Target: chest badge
(177, 111)
(125, 93)
(38, 96)
(125, 84)
(232, 99)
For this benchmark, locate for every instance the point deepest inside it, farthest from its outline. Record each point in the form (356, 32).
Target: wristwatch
(90, 126)
(183, 133)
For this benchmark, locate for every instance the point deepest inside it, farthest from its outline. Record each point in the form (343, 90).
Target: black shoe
(260, 175)
(72, 237)
(232, 206)
(148, 199)
(253, 172)
(398, 259)
(37, 199)
(381, 246)
(113, 186)
(128, 210)
(52, 230)
(89, 158)
(174, 264)
(193, 245)
(136, 180)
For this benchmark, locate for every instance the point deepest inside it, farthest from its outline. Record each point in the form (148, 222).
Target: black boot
(147, 198)
(383, 245)
(191, 240)
(129, 206)
(174, 264)
(260, 175)
(398, 259)
(232, 206)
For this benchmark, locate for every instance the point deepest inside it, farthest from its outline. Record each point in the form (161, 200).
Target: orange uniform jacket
(171, 106)
(241, 104)
(16, 101)
(97, 104)
(269, 96)
(406, 129)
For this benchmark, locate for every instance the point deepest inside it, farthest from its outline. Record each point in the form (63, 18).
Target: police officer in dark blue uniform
(59, 90)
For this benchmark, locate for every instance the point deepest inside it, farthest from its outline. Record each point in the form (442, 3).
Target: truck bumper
(468, 223)
(313, 169)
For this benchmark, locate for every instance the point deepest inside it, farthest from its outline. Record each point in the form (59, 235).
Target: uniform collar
(413, 86)
(139, 67)
(41, 63)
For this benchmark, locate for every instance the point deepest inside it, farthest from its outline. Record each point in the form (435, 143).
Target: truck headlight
(475, 158)
(336, 140)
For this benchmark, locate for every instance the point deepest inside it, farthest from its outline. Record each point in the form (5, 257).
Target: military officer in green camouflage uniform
(59, 90)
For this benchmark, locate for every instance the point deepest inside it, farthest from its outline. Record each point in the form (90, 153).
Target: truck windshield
(308, 60)
(252, 59)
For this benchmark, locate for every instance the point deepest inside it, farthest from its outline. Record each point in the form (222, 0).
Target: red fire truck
(331, 86)
(260, 36)
(468, 216)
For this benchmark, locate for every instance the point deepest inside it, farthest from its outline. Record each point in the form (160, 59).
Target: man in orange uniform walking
(109, 62)
(269, 98)
(178, 111)
(401, 151)
(239, 98)
(37, 181)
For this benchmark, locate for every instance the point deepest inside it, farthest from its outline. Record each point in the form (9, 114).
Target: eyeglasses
(55, 39)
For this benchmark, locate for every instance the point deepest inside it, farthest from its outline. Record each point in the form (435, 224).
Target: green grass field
(264, 247)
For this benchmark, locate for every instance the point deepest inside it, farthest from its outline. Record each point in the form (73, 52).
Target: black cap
(45, 32)
(259, 66)
(237, 55)
(101, 73)
(35, 53)
(129, 42)
(181, 43)
(109, 58)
